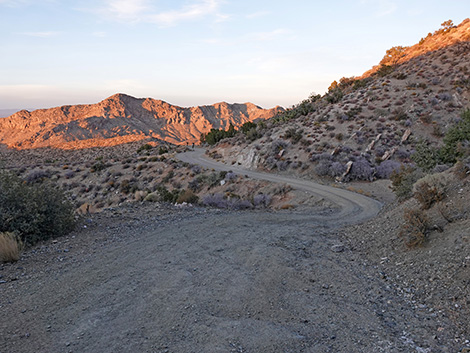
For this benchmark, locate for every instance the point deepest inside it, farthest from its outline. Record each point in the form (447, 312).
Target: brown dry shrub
(11, 247)
(187, 196)
(430, 189)
(461, 170)
(414, 230)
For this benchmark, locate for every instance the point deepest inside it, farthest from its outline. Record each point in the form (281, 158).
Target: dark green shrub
(167, 196)
(34, 212)
(334, 95)
(455, 138)
(425, 156)
(384, 70)
(403, 181)
(145, 147)
(214, 136)
(247, 127)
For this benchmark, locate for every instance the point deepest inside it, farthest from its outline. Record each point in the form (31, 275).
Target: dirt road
(148, 278)
(353, 207)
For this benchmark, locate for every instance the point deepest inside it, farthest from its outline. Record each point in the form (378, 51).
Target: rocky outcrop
(122, 119)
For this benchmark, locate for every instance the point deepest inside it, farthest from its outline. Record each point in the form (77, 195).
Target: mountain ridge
(122, 118)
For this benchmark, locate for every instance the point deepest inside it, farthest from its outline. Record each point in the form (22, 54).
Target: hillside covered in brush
(122, 119)
(399, 113)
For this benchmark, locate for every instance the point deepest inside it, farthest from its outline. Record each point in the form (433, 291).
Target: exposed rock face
(121, 119)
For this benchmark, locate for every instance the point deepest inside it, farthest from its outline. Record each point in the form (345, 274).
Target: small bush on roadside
(187, 196)
(361, 169)
(215, 200)
(414, 230)
(34, 212)
(429, 190)
(403, 181)
(167, 196)
(262, 200)
(387, 168)
(11, 247)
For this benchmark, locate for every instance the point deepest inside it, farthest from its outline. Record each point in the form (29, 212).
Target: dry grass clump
(414, 231)
(10, 247)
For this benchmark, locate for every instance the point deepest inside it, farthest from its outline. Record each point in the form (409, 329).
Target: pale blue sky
(195, 52)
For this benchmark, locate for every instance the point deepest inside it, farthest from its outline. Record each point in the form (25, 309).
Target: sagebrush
(33, 211)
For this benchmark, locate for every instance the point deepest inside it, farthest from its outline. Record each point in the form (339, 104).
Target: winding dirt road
(153, 278)
(353, 207)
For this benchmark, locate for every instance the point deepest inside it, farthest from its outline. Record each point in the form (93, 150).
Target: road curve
(353, 207)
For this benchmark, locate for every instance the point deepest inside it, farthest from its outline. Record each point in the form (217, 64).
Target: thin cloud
(40, 34)
(143, 11)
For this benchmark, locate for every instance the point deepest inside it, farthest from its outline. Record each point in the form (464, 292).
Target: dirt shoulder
(201, 280)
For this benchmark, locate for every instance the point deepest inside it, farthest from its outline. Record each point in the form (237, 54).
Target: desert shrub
(128, 186)
(162, 150)
(334, 95)
(323, 167)
(384, 70)
(11, 247)
(34, 212)
(220, 201)
(196, 169)
(215, 200)
(214, 136)
(455, 138)
(279, 145)
(282, 165)
(37, 176)
(414, 230)
(403, 181)
(430, 189)
(167, 196)
(98, 166)
(385, 169)
(167, 178)
(187, 196)
(462, 168)
(270, 162)
(239, 204)
(425, 156)
(230, 176)
(329, 167)
(253, 134)
(196, 184)
(361, 169)
(293, 134)
(144, 147)
(246, 127)
(262, 200)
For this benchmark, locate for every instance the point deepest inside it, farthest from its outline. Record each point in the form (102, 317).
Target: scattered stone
(337, 248)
